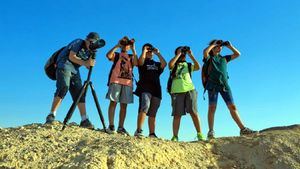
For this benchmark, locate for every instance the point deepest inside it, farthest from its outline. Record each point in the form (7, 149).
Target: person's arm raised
(174, 59)
(162, 61)
(236, 53)
(196, 63)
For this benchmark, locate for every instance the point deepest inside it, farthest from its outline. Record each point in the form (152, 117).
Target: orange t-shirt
(122, 72)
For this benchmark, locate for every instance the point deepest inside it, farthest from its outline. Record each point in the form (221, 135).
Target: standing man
(120, 81)
(183, 92)
(68, 77)
(149, 88)
(217, 82)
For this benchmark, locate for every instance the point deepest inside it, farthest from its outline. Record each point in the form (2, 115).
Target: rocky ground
(45, 146)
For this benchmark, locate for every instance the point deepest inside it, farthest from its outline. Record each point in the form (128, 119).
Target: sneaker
(86, 124)
(138, 133)
(247, 131)
(200, 137)
(50, 119)
(111, 129)
(174, 138)
(210, 135)
(152, 135)
(122, 130)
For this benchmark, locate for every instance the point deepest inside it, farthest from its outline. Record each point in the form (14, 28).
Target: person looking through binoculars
(77, 53)
(120, 87)
(217, 82)
(148, 88)
(182, 90)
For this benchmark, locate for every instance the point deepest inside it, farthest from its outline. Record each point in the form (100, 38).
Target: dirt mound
(46, 146)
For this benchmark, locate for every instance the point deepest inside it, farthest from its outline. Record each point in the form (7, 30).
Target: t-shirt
(149, 74)
(182, 82)
(218, 76)
(121, 73)
(77, 46)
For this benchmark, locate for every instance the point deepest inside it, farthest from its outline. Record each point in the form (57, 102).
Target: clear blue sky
(264, 80)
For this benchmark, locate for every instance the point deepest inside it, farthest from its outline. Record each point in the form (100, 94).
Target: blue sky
(265, 80)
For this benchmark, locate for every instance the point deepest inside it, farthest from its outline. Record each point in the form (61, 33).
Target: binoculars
(126, 41)
(222, 43)
(184, 49)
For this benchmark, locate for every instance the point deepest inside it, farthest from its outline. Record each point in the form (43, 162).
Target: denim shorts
(226, 95)
(68, 81)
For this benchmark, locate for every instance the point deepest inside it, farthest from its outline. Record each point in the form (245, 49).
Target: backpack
(173, 74)
(206, 68)
(50, 66)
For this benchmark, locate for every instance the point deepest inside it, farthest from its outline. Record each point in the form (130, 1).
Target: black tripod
(83, 90)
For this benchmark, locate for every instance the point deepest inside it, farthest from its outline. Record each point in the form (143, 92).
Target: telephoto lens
(97, 44)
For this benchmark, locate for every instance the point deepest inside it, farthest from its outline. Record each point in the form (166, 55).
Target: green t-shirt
(218, 76)
(182, 81)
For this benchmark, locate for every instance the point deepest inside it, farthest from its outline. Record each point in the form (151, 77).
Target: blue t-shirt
(77, 46)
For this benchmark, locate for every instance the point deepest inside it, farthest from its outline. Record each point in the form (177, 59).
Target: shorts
(120, 93)
(68, 81)
(226, 95)
(149, 104)
(183, 103)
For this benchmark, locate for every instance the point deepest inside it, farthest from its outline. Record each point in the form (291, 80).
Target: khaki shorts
(120, 93)
(149, 104)
(183, 103)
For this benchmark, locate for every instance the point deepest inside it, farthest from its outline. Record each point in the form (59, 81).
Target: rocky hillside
(45, 146)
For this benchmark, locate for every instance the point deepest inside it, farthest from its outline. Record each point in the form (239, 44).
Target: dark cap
(93, 35)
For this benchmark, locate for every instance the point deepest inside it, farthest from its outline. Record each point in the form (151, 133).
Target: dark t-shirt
(218, 76)
(149, 74)
(63, 58)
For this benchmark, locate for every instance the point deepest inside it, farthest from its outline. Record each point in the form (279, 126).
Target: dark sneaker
(86, 124)
(152, 135)
(138, 133)
(50, 119)
(210, 135)
(111, 129)
(247, 131)
(122, 130)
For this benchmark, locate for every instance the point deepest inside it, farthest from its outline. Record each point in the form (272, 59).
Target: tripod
(83, 90)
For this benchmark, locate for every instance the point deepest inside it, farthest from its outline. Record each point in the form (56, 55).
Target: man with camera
(217, 82)
(120, 87)
(183, 92)
(148, 88)
(74, 55)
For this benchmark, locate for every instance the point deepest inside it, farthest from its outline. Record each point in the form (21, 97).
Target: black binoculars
(184, 49)
(222, 43)
(126, 41)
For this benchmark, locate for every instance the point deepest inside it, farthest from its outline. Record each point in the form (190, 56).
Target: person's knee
(123, 106)
(62, 91)
(212, 108)
(232, 107)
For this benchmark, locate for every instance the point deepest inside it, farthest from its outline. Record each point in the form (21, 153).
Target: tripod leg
(74, 104)
(97, 105)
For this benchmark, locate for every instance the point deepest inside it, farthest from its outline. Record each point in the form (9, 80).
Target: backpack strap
(116, 58)
(208, 62)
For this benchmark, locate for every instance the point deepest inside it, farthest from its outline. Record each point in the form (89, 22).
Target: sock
(84, 117)
(54, 113)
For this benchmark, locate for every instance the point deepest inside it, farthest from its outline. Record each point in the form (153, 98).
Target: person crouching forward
(183, 92)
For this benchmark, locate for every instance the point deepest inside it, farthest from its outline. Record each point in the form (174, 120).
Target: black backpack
(50, 66)
(173, 74)
(206, 68)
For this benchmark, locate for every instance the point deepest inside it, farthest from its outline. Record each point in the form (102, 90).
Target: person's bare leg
(82, 109)
(196, 121)
(122, 116)
(176, 125)
(235, 115)
(111, 112)
(151, 123)
(140, 120)
(56, 103)
(211, 116)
